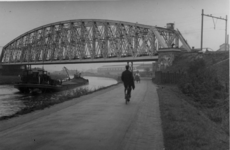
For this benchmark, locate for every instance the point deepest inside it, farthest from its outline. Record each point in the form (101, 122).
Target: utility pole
(226, 34)
(202, 15)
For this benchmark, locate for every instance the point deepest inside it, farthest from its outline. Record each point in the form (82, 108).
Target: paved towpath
(99, 121)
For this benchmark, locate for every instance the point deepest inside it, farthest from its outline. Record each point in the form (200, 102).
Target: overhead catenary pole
(216, 18)
(201, 42)
(226, 34)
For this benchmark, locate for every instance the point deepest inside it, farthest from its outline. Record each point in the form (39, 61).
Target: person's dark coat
(127, 78)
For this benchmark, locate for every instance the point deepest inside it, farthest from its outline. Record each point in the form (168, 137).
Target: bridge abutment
(166, 58)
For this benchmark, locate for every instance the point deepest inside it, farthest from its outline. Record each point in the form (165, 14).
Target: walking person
(128, 81)
(137, 77)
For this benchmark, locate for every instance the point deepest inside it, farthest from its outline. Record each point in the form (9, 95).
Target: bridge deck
(80, 61)
(98, 121)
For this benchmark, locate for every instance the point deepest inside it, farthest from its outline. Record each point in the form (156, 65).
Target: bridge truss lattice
(89, 40)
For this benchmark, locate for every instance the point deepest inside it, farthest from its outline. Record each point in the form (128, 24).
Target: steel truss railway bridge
(90, 41)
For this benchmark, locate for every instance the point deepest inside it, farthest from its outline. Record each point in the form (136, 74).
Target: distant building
(112, 69)
(144, 67)
(118, 69)
(223, 48)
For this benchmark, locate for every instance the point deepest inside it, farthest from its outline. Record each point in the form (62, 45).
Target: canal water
(12, 101)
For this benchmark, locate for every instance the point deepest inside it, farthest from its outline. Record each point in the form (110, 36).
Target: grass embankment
(47, 100)
(186, 126)
(182, 61)
(195, 113)
(222, 69)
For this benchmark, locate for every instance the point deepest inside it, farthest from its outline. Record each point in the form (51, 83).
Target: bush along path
(195, 113)
(207, 93)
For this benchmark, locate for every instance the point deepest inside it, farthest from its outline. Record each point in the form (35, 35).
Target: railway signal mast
(226, 21)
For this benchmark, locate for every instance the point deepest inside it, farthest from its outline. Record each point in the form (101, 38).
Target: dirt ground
(185, 127)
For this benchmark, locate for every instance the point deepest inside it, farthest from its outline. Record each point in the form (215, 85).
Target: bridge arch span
(89, 40)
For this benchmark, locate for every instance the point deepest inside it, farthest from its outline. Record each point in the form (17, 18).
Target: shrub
(201, 83)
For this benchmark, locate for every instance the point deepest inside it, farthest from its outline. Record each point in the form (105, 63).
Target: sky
(19, 17)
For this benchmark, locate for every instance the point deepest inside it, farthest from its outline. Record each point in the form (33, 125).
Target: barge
(39, 81)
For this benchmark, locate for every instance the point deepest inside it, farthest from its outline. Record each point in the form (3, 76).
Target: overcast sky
(20, 17)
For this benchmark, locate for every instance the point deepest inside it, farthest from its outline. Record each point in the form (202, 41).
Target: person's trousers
(128, 89)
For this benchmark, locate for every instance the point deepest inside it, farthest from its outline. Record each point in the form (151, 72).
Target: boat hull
(28, 88)
(43, 88)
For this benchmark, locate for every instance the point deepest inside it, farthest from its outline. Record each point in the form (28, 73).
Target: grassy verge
(186, 126)
(47, 100)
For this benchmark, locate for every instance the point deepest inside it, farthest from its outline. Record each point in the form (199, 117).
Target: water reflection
(12, 101)
(97, 82)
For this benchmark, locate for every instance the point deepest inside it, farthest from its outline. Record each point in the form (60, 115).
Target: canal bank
(13, 103)
(100, 121)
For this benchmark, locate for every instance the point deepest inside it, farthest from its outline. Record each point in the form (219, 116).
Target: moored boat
(39, 81)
